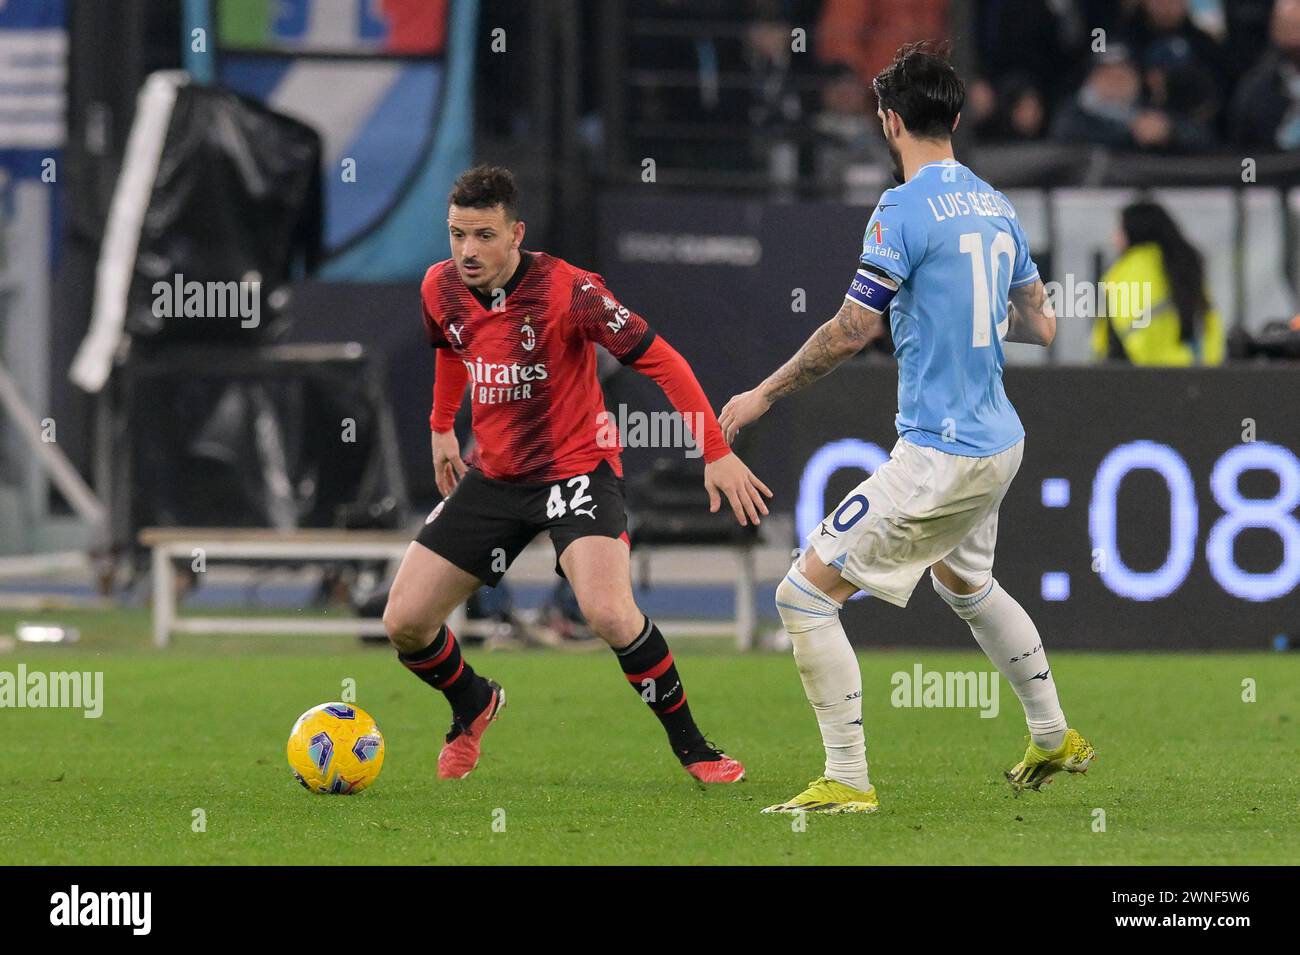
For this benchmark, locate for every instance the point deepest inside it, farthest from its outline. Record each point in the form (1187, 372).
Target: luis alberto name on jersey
(943, 251)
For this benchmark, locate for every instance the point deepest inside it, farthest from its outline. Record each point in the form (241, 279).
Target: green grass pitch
(1189, 772)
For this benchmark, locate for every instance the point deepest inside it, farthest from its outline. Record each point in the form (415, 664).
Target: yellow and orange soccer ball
(336, 748)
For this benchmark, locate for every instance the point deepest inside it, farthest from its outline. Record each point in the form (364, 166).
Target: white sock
(831, 678)
(1010, 640)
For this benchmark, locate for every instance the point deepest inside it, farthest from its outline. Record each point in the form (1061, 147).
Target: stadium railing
(169, 544)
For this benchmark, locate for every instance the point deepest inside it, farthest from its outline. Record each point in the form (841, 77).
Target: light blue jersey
(955, 248)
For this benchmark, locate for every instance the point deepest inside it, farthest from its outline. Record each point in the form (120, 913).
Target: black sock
(648, 665)
(442, 667)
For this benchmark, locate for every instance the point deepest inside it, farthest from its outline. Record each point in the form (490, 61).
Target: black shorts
(483, 524)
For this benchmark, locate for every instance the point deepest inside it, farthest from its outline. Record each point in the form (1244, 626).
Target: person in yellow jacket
(1158, 268)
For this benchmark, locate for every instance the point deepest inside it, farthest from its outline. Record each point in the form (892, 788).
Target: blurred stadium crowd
(716, 82)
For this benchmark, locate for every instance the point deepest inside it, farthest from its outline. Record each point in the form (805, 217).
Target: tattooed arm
(851, 330)
(1032, 318)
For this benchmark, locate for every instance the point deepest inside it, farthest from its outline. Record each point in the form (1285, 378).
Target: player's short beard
(896, 161)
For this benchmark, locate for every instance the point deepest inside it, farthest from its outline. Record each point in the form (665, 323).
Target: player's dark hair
(922, 87)
(486, 187)
(1145, 222)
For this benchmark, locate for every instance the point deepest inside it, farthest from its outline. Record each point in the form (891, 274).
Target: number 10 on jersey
(982, 287)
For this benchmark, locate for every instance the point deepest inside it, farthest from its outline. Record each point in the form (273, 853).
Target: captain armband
(872, 290)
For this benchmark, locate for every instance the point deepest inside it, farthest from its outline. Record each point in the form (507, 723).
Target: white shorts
(919, 507)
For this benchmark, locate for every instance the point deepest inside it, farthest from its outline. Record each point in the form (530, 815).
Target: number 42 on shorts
(578, 502)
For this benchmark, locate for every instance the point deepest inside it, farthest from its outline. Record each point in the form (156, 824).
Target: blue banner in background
(33, 64)
(390, 89)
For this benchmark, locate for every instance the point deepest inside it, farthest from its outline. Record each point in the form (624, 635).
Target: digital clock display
(1154, 508)
(1275, 513)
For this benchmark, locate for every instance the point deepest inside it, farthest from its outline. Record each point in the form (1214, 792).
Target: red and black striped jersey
(536, 401)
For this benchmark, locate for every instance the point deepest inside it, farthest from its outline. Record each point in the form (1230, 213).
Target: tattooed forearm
(845, 335)
(814, 359)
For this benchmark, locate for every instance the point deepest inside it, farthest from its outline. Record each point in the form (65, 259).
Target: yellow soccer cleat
(830, 797)
(1074, 755)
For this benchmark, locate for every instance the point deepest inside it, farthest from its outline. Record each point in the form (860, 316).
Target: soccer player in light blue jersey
(945, 253)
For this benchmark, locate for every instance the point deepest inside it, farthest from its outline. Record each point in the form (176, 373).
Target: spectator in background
(1043, 41)
(1245, 33)
(781, 87)
(1182, 66)
(1016, 112)
(1266, 110)
(1175, 324)
(1106, 107)
(1169, 23)
(772, 66)
(846, 127)
(1112, 110)
(865, 34)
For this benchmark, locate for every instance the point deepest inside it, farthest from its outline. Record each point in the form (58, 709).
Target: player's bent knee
(802, 605)
(612, 619)
(407, 631)
(965, 606)
(398, 627)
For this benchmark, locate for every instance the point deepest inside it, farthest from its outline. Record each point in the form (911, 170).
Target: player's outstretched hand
(744, 492)
(448, 468)
(741, 410)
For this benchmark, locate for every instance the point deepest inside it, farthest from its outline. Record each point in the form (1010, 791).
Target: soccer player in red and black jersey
(518, 328)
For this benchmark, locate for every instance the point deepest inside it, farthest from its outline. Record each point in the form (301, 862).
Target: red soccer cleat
(460, 753)
(724, 769)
